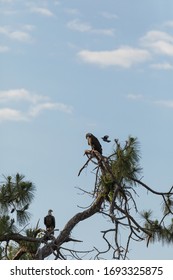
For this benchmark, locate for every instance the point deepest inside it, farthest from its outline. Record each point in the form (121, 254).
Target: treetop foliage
(117, 181)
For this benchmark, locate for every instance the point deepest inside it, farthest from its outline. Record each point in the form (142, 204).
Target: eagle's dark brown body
(49, 222)
(94, 142)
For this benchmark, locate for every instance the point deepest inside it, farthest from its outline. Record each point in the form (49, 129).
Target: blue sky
(72, 67)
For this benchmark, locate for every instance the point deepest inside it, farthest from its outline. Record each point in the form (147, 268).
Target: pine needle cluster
(15, 198)
(122, 166)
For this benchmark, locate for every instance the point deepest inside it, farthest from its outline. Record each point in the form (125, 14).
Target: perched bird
(49, 222)
(94, 142)
(105, 138)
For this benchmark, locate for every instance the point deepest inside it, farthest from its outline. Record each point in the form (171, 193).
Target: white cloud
(28, 27)
(155, 35)
(123, 57)
(15, 34)
(33, 106)
(165, 103)
(72, 11)
(20, 36)
(162, 66)
(77, 25)
(169, 23)
(8, 114)
(4, 49)
(42, 11)
(163, 48)
(57, 3)
(109, 15)
(36, 110)
(107, 32)
(160, 42)
(7, 1)
(20, 95)
(8, 12)
(4, 30)
(135, 96)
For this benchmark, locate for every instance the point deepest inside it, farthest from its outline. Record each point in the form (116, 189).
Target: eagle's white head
(50, 212)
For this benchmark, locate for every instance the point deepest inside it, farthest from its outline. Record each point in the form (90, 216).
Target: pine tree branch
(18, 238)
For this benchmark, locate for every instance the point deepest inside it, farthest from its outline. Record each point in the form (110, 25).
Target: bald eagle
(94, 142)
(49, 222)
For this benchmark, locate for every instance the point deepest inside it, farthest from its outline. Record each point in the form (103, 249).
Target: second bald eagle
(94, 142)
(49, 222)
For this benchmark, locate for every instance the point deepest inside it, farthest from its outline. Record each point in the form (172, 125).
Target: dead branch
(150, 189)
(20, 253)
(85, 165)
